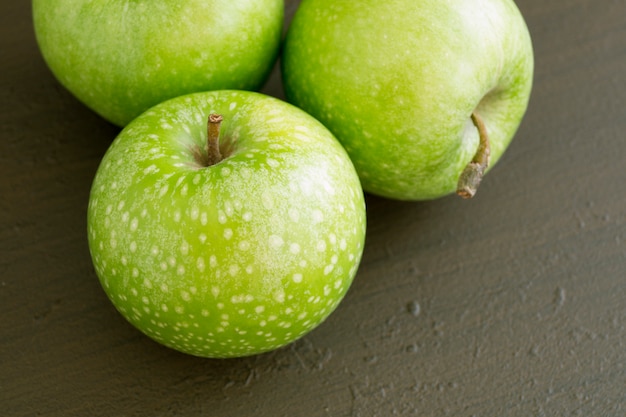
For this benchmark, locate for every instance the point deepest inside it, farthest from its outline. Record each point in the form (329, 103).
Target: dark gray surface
(511, 304)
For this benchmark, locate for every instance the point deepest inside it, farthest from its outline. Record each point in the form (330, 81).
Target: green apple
(418, 92)
(121, 57)
(226, 240)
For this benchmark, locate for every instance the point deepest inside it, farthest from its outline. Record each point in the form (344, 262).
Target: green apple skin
(397, 82)
(236, 258)
(122, 57)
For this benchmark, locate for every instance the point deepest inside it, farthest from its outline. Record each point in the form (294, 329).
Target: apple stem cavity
(210, 154)
(214, 155)
(473, 173)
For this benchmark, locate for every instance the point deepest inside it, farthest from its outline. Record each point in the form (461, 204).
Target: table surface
(521, 291)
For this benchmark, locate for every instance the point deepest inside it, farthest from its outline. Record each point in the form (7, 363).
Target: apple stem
(213, 139)
(473, 173)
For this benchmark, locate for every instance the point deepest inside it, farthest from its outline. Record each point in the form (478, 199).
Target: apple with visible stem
(424, 95)
(121, 57)
(226, 223)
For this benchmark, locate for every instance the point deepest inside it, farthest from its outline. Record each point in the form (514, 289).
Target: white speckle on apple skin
(272, 236)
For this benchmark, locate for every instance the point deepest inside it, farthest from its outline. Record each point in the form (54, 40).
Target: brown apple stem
(473, 173)
(213, 139)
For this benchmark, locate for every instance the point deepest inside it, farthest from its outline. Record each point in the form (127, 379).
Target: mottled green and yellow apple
(231, 253)
(424, 95)
(121, 57)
